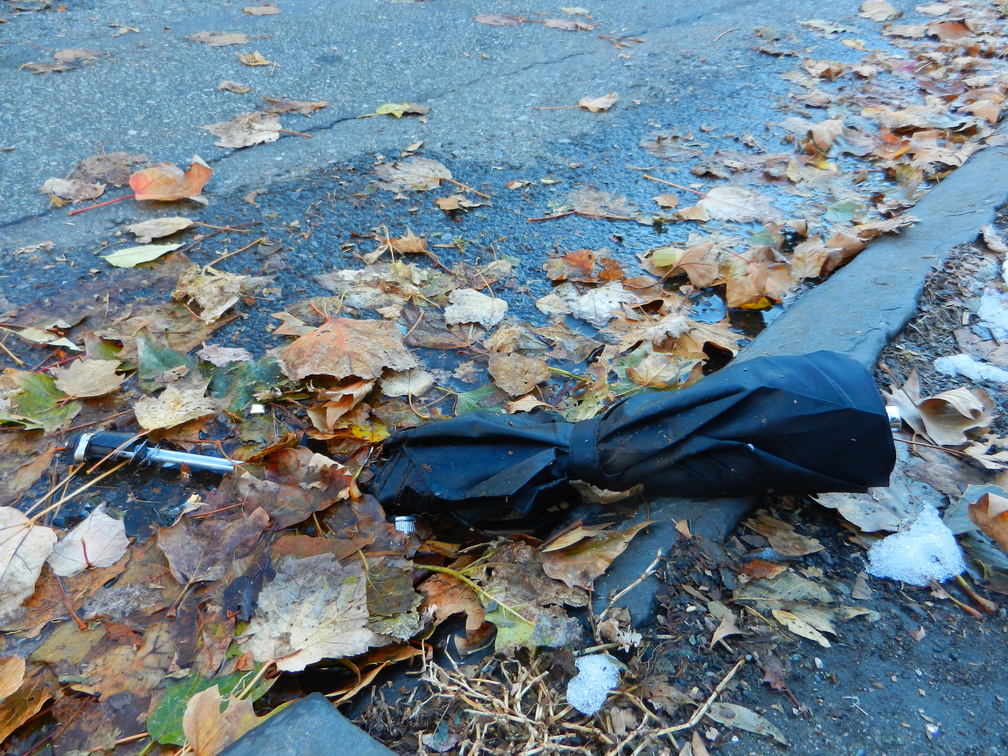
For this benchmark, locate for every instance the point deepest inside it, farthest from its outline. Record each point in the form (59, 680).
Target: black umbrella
(788, 425)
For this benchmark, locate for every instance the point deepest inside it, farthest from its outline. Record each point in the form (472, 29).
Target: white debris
(966, 366)
(993, 313)
(926, 551)
(588, 689)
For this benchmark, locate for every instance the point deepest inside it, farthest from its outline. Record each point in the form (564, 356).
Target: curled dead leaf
(599, 104)
(165, 182)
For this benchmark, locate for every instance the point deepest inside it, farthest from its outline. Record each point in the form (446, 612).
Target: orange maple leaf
(166, 182)
(343, 347)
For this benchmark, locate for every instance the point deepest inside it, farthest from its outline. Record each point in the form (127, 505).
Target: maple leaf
(516, 373)
(416, 173)
(598, 104)
(97, 541)
(88, 378)
(343, 347)
(165, 182)
(24, 548)
(246, 130)
(155, 228)
(315, 608)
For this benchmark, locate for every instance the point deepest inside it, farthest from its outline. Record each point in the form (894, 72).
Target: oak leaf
(165, 182)
(344, 347)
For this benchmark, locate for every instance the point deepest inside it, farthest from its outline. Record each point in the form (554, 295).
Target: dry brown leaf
(234, 87)
(725, 629)
(12, 669)
(782, 536)
(599, 104)
(455, 203)
(471, 306)
(97, 541)
(825, 133)
(72, 56)
(415, 382)
(344, 347)
(155, 228)
(668, 200)
(88, 378)
(415, 173)
(19, 707)
(214, 291)
(301, 107)
(700, 263)
(879, 10)
(950, 415)
(253, 59)
(586, 553)
(990, 514)
(205, 550)
(733, 715)
(175, 405)
(218, 39)
(24, 548)
(246, 130)
(498, 19)
(315, 608)
(208, 730)
(261, 10)
(517, 374)
(73, 190)
(737, 203)
(166, 182)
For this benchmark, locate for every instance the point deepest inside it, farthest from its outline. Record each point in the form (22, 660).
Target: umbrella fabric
(789, 425)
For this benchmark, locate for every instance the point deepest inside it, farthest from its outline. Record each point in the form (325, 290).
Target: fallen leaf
(213, 291)
(205, 550)
(24, 548)
(414, 382)
(782, 536)
(221, 356)
(73, 190)
(19, 707)
(208, 730)
(471, 306)
(301, 107)
(799, 626)
(166, 182)
(990, 514)
(879, 10)
(246, 130)
(315, 608)
(343, 347)
(415, 173)
(219, 39)
(46, 68)
(254, 59)
(516, 373)
(733, 715)
(950, 415)
(725, 629)
(130, 257)
(88, 378)
(234, 87)
(155, 228)
(12, 669)
(498, 19)
(174, 406)
(455, 203)
(294, 484)
(666, 200)
(97, 541)
(261, 10)
(598, 104)
(398, 110)
(586, 553)
(72, 56)
(33, 401)
(739, 204)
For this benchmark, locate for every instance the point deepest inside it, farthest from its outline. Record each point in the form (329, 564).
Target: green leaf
(478, 399)
(154, 360)
(165, 723)
(132, 256)
(39, 405)
(239, 383)
(392, 108)
(513, 630)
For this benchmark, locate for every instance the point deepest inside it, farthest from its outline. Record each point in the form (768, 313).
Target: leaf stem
(80, 210)
(677, 186)
(476, 587)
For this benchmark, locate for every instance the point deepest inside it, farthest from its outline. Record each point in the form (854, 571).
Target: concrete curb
(857, 312)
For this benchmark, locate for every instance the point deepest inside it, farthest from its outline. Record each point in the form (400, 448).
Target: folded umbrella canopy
(787, 425)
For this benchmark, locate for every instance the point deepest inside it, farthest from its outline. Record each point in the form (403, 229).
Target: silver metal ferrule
(404, 523)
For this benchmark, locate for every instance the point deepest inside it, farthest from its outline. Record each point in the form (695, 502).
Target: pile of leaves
(288, 563)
